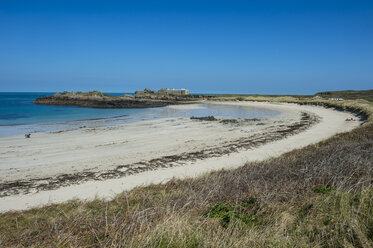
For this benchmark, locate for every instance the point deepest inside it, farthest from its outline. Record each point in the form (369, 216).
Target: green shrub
(231, 213)
(322, 190)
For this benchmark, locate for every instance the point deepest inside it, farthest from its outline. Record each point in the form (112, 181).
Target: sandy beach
(102, 162)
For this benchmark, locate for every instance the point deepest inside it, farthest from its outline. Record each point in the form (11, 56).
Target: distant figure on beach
(28, 135)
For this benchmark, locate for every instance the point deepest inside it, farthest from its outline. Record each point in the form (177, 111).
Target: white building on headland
(179, 92)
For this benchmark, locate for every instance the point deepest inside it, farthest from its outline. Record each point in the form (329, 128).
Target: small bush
(322, 190)
(231, 213)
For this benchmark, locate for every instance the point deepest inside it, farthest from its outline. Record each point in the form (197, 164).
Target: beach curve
(329, 122)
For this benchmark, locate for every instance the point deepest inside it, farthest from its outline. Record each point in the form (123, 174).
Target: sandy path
(96, 150)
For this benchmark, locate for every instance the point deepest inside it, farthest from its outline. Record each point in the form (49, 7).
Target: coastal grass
(348, 94)
(343, 94)
(317, 196)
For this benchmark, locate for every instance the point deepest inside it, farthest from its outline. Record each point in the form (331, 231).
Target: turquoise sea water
(18, 115)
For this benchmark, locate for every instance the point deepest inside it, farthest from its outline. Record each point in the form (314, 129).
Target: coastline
(331, 122)
(61, 118)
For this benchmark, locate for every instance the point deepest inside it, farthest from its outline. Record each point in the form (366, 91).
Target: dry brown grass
(319, 196)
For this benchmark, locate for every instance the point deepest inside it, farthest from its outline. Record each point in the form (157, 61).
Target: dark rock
(204, 118)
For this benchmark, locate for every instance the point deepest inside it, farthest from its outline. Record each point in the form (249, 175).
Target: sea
(18, 115)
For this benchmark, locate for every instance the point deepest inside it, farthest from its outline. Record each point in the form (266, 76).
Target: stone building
(178, 92)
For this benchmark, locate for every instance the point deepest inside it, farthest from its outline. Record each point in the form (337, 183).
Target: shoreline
(331, 122)
(131, 116)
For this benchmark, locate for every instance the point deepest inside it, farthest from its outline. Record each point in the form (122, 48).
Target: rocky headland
(96, 99)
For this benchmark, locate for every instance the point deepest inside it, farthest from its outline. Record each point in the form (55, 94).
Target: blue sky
(254, 47)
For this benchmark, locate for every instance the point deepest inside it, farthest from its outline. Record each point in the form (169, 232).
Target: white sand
(100, 149)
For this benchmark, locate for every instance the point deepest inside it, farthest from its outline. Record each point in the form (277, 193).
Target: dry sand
(136, 154)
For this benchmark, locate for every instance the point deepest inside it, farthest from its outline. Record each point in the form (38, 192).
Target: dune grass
(317, 196)
(348, 94)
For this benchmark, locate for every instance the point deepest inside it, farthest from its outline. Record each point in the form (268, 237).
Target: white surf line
(332, 122)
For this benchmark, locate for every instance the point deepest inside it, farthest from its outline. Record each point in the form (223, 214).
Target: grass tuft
(322, 190)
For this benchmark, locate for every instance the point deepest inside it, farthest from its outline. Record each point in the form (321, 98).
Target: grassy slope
(321, 195)
(345, 94)
(349, 94)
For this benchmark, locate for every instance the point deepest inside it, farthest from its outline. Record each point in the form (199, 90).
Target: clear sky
(264, 47)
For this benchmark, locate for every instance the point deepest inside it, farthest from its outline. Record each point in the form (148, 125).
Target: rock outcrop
(96, 99)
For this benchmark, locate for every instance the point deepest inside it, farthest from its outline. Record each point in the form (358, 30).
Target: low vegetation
(317, 196)
(343, 94)
(87, 94)
(349, 94)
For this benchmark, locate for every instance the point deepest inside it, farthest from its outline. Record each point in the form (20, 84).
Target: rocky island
(142, 99)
